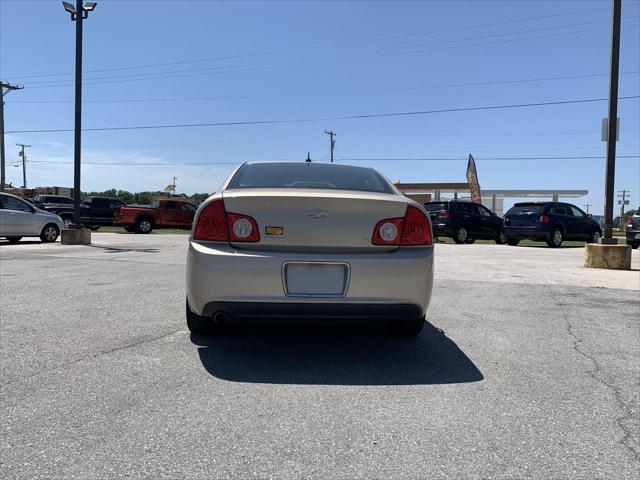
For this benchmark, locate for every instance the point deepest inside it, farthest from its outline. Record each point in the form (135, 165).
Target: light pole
(78, 14)
(613, 123)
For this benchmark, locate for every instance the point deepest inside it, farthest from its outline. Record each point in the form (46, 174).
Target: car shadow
(334, 356)
(23, 242)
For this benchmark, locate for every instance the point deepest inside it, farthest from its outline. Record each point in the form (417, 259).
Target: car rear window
(435, 207)
(309, 175)
(525, 209)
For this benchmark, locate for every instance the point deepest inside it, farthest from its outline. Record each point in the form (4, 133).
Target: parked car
(464, 221)
(19, 218)
(315, 242)
(633, 229)
(46, 202)
(161, 214)
(94, 211)
(551, 222)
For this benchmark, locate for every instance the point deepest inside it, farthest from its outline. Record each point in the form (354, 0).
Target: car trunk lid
(314, 219)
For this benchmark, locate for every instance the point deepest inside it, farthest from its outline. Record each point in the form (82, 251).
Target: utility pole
(4, 89)
(174, 185)
(587, 205)
(24, 163)
(78, 14)
(623, 195)
(333, 142)
(613, 123)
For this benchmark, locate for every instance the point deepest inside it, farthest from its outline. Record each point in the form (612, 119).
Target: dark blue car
(551, 222)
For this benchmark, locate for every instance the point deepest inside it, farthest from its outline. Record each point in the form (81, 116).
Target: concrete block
(615, 257)
(74, 236)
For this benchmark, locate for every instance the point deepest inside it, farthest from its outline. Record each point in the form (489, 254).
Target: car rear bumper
(633, 236)
(442, 229)
(247, 279)
(524, 233)
(312, 313)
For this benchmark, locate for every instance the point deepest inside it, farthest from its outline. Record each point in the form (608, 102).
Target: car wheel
(68, 222)
(501, 239)
(49, 233)
(14, 239)
(461, 235)
(95, 228)
(635, 245)
(595, 237)
(556, 238)
(201, 325)
(470, 241)
(407, 328)
(513, 242)
(144, 225)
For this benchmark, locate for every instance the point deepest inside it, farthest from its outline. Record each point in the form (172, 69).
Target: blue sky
(200, 62)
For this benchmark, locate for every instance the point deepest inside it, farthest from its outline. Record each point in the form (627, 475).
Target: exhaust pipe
(220, 317)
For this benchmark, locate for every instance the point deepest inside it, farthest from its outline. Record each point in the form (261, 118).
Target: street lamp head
(71, 9)
(90, 6)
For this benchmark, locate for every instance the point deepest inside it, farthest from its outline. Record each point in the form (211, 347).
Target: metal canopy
(438, 188)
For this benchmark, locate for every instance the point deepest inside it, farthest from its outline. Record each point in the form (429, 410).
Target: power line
(344, 117)
(423, 159)
(169, 75)
(340, 44)
(346, 92)
(440, 42)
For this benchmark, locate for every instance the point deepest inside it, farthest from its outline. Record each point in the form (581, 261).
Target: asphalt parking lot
(529, 369)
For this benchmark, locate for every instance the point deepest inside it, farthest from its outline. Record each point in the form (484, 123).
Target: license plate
(315, 279)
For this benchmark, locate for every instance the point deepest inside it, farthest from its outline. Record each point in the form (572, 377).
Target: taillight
(216, 225)
(544, 219)
(410, 231)
(443, 214)
(212, 223)
(242, 228)
(629, 222)
(417, 230)
(388, 232)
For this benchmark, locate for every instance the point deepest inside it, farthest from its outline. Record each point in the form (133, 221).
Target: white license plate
(316, 279)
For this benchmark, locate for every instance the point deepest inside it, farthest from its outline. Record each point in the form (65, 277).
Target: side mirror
(589, 215)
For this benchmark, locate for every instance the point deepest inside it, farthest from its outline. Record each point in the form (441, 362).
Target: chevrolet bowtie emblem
(317, 213)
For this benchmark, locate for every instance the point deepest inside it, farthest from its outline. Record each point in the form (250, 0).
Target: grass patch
(523, 243)
(160, 231)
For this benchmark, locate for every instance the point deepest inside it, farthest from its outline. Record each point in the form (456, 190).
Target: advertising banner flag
(472, 178)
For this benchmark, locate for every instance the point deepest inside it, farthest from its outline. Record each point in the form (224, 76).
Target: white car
(314, 242)
(19, 218)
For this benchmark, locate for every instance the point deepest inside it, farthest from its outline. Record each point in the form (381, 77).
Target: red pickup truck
(161, 214)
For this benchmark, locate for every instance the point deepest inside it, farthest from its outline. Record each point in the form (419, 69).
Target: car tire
(470, 241)
(635, 245)
(68, 222)
(95, 228)
(461, 235)
(555, 238)
(144, 225)
(50, 233)
(512, 241)
(501, 239)
(407, 328)
(199, 325)
(595, 237)
(14, 239)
